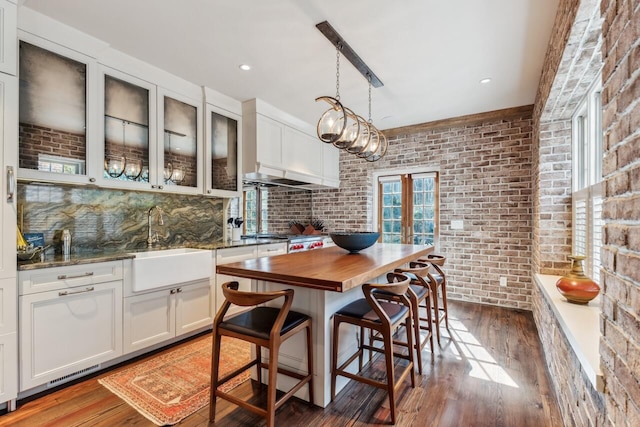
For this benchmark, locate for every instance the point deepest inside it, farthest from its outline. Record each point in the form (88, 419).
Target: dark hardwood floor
(489, 371)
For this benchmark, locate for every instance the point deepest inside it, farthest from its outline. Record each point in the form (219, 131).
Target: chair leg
(271, 387)
(334, 357)
(215, 363)
(258, 366)
(415, 311)
(310, 363)
(436, 309)
(388, 356)
(410, 345)
(427, 301)
(360, 349)
(444, 303)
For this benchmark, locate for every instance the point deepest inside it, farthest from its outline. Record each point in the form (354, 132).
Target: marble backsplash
(103, 219)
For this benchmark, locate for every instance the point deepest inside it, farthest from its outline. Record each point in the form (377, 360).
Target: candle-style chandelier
(339, 125)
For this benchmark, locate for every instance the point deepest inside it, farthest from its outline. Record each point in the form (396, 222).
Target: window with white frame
(59, 164)
(255, 210)
(587, 180)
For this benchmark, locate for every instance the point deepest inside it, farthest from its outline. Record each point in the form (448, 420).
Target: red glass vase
(576, 287)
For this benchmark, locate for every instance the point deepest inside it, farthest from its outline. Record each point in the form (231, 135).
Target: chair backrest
(249, 299)
(436, 259)
(398, 285)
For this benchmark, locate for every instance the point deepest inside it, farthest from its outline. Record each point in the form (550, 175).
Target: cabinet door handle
(179, 290)
(64, 276)
(64, 293)
(172, 291)
(160, 187)
(11, 184)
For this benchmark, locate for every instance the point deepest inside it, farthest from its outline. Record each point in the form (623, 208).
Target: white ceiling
(430, 54)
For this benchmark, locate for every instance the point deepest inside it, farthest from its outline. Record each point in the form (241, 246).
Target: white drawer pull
(63, 293)
(64, 276)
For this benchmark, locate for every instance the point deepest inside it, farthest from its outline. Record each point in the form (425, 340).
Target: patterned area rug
(170, 387)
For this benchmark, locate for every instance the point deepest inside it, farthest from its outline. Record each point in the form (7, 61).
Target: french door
(408, 208)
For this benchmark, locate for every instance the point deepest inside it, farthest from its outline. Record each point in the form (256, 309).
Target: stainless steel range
(299, 243)
(296, 242)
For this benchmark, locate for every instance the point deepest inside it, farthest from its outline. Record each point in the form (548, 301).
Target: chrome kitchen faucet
(153, 238)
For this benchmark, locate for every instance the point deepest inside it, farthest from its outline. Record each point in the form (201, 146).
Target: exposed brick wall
(572, 60)
(485, 180)
(220, 175)
(580, 404)
(620, 344)
(286, 204)
(34, 140)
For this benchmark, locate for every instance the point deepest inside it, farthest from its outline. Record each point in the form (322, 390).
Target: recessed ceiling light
(244, 67)
(484, 81)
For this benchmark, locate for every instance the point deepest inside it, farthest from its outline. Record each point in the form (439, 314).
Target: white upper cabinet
(180, 154)
(303, 156)
(57, 113)
(223, 145)
(331, 166)
(91, 114)
(128, 132)
(278, 145)
(8, 37)
(263, 157)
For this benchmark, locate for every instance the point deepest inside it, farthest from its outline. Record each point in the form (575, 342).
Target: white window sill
(580, 324)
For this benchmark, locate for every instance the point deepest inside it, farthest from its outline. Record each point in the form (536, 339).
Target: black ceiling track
(332, 35)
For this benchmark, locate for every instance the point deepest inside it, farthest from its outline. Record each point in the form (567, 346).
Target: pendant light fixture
(339, 125)
(172, 173)
(133, 167)
(168, 166)
(115, 164)
(378, 144)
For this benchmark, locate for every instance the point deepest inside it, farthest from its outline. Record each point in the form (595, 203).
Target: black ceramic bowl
(356, 240)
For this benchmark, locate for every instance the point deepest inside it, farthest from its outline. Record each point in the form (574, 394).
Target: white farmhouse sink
(158, 269)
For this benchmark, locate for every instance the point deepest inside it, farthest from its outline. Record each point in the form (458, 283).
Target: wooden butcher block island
(329, 269)
(323, 280)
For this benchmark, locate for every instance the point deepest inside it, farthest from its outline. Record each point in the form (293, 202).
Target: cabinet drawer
(225, 256)
(51, 279)
(272, 249)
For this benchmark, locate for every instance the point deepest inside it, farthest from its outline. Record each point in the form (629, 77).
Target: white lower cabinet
(66, 331)
(158, 316)
(226, 256)
(8, 364)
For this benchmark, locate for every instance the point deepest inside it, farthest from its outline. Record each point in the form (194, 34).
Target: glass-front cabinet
(55, 113)
(180, 160)
(85, 122)
(128, 130)
(222, 152)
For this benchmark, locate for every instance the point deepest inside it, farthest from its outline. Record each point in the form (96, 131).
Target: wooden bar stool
(265, 327)
(380, 317)
(419, 294)
(438, 282)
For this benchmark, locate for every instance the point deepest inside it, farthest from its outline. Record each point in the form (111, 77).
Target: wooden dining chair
(265, 327)
(379, 317)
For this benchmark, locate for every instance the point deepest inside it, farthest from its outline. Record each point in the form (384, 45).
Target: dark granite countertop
(58, 260)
